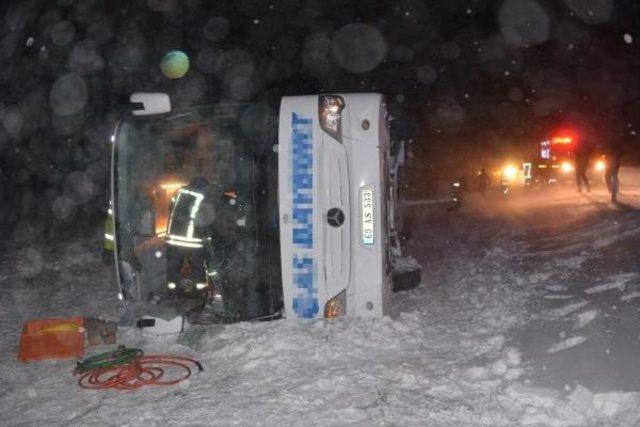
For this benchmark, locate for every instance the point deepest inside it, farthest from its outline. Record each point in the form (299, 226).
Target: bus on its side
(242, 213)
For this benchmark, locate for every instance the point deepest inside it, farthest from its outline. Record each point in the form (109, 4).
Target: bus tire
(407, 274)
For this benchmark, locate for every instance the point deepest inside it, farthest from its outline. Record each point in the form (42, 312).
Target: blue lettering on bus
(305, 302)
(302, 181)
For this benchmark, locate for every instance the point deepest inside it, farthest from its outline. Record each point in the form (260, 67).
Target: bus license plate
(366, 200)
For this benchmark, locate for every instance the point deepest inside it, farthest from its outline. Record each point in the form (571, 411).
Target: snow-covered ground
(527, 315)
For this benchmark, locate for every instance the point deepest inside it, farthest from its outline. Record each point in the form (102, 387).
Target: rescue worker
(190, 219)
(456, 194)
(484, 180)
(504, 184)
(202, 240)
(583, 151)
(614, 155)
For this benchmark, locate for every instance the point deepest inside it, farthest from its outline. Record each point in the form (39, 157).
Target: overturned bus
(244, 211)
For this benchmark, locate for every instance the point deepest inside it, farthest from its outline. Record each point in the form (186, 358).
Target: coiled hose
(128, 369)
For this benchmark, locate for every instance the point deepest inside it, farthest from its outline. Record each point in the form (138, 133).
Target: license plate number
(366, 200)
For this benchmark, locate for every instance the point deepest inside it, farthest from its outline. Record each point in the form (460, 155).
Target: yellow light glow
(172, 185)
(566, 167)
(337, 306)
(600, 165)
(510, 171)
(562, 140)
(334, 309)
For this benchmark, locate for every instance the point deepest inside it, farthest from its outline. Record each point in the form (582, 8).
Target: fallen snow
(619, 282)
(444, 357)
(559, 296)
(566, 344)
(629, 297)
(584, 318)
(566, 310)
(605, 287)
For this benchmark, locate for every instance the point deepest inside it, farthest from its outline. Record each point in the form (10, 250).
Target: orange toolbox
(43, 339)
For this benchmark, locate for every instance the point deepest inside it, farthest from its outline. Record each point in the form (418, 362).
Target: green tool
(120, 356)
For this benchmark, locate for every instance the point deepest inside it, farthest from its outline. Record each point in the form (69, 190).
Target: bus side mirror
(150, 103)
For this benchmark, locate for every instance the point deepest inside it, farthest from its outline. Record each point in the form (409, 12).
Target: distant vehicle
(253, 215)
(555, 161)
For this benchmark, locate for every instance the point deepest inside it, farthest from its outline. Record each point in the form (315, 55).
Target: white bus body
(332, 183)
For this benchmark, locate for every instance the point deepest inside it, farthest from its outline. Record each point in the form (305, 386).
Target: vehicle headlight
(337, 306)
(201, 286)
(566, 167)
(510, 172)
(171, 285)
(600, 165)
(330, 111)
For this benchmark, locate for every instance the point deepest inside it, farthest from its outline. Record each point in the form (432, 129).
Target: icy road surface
(527, 315)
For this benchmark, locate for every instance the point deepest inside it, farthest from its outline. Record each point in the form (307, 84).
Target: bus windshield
(193, 204)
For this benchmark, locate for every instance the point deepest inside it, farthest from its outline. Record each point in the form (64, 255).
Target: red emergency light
(564, 137)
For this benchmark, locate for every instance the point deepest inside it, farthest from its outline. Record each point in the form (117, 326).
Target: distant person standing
(583, 151)
(614, 157)
(483, 180)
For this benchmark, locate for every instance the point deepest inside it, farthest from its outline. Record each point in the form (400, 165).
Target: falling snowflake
(628, 39)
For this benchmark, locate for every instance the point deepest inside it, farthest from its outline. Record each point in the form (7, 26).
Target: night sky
(465, 80)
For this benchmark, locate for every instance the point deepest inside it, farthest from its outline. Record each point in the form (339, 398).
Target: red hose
(141, 371)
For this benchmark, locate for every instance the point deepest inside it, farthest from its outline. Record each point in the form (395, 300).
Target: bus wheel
(407, 274)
